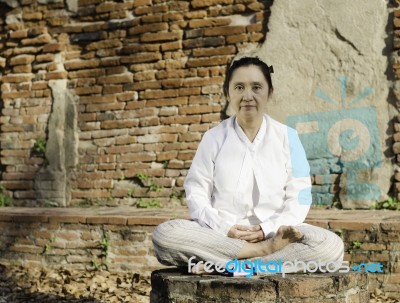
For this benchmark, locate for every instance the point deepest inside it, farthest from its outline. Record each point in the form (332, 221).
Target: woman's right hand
(251, 234)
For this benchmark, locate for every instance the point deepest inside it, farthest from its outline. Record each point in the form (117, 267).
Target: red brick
(98, 99)
(189, 91)
(118, 124)
(207, 3)
(22, 60)
(192, 82)
(16, 78)
(87, 73)
(145, 85)
(216, 60)
(350, 225)
(137, 157)
(113, 79)
(157, 138)
(124, 149)
(210, 22)
(56, 75)
(208, 52)
(158, 94)
(81, 64)
(181, 119)
(95, 184)
(150, 37)
(42, 39)
(167, 102)
(18, 34)
(145, 10)
(211, 118)
(88, 90)
(390, 226)
(112, 89)
(170, 46)
(141, 57)
(152, 18)
(190, 137)
(104, 107)
(153, 27)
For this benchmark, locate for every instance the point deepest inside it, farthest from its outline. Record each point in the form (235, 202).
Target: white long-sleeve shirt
(232, 180)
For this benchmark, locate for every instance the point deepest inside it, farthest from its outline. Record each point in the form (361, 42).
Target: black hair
(246, 61)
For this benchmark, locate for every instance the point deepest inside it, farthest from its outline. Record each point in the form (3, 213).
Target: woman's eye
(257, 87)
(239, 87)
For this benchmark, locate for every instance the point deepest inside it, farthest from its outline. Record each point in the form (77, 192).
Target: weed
(391, 204)
(4, 199)
(47, 246)
(154, 203)
(40, 146)
(356, 244)
(142, 177)
(154, 187)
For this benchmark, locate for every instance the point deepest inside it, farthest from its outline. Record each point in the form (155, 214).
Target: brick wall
(120, 239)
(145, 78)
(396, 70)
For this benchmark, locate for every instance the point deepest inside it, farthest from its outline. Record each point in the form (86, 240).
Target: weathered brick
(181, 119)
(112, 89)
(153, 27)
(22, 60)
(81, 64)
(150, 37)
(158, 94)
(104, 107)
(137, 157)
(22, 69)
(141, 57)
(152, 138)
(210, 22)
(17, 78)
(163, 8)
(206, 3)
(113, 79)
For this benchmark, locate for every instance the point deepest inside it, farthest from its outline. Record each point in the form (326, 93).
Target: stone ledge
(330, 219)
(173, 285)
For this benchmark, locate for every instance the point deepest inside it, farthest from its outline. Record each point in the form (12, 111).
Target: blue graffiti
(344, 141)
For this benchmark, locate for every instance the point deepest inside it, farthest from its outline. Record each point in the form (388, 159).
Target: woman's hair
(246, 61)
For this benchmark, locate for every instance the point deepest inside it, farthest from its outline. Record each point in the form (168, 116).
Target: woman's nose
(247, 95)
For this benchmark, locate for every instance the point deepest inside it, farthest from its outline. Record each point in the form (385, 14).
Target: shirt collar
(260, 135)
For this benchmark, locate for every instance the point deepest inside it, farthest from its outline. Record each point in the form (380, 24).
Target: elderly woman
(248, 188)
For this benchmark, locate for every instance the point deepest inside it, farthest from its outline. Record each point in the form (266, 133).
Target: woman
(248, 188)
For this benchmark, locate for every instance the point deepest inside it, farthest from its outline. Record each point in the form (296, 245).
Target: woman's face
(248, 93)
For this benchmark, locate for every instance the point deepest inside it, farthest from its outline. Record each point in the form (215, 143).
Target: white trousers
(176, 241)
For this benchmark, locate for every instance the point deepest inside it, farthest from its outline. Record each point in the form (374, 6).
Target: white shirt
(232, 180)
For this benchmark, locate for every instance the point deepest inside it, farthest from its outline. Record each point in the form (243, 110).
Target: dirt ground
(19, 284)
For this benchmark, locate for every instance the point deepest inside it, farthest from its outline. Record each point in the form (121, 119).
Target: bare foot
(284, 236)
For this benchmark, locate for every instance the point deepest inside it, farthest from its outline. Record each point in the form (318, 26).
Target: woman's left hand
(251, 234)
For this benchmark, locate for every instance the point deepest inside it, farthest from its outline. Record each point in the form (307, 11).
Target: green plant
(4, 199)
(153, 203)
(391, 204)
(40, 146)
(142, 177)
(154, 187)
(105, 247)
(47, 246)
(356, 244)
(337, 204)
